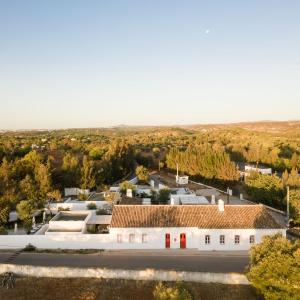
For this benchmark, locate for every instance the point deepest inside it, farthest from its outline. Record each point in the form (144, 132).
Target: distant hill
(282, 127)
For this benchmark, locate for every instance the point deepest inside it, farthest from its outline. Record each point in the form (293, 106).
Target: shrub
(63, 209)
(29, 248)
(91, 206)
(178, 292)
(102, 211)
(164, 196)
(2, 230)
(275, 268)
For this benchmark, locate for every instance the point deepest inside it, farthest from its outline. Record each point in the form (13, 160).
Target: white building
(187, 199)
(261, 170)
(181, 180)
(203, 227)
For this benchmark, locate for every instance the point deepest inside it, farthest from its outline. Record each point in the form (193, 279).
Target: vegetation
(126, 185)
(142, 173)
(38, 165)
(267, 189)
(177, 292)
(163, 196)
(275, 268)
(116, 289)
(204, 162)
(91, 206)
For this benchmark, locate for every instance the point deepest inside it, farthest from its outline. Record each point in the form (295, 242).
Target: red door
(182, 241)
(168, 242)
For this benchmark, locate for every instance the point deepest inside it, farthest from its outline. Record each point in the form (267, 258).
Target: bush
(125, 185)
(164, 196)
(275, 268)
(2, 230)
(91, 206)
(29, 248)
(102, 211)
(63, 209)
(178, 292)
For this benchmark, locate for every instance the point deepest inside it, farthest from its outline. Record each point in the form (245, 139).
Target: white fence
(145, 274)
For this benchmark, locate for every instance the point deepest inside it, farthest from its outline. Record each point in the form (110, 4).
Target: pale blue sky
(102, 63)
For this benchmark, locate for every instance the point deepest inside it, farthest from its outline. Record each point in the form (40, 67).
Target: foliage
(203, 161)
(295, 205)
(88, 180)
(163, 196)
(142, 173)
(177, 292)
(101, 211)
(265, 188)
(91, 206)
(125, 185)
(2, 230)
(25, 210)
(275, 268)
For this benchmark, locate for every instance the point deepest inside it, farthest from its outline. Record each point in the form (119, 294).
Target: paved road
(188, 261)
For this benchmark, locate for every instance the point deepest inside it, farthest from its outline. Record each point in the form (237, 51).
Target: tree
(25, 210)
(142, 173)
(43, 180)
(125, 185)
(70, 170)
(177, 292)
(275, 268)
(265, 188)
(295, 205)
(88, 180)
(28, 188)
(164, 196)
(54, 195)
(293, 179)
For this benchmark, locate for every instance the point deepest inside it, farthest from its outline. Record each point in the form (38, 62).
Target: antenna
(288, 206)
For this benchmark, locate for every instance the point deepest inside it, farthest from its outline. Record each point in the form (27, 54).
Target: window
(131, 238)
(207, 239)
(119, 238)
(144, 238)
(236, 239)
(222, 239)
(252, 239)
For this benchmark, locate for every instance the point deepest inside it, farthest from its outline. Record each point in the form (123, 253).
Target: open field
(92, 289)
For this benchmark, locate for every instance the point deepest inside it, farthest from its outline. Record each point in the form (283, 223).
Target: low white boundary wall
(146, 274)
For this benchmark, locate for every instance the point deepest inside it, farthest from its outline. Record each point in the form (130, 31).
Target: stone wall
(146, 274)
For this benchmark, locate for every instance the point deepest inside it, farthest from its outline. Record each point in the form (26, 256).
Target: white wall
(79, 205)
(146, 274)
(155, 239)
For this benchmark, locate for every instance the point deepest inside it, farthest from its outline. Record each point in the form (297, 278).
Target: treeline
(203, 161)
(272, 190)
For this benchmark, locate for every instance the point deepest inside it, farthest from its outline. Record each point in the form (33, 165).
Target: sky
(70, 63)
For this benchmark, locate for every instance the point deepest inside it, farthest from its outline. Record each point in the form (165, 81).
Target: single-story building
(203, 227)
(187, 199)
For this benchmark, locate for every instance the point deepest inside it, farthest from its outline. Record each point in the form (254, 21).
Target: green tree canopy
(142, 173)
(275, 268)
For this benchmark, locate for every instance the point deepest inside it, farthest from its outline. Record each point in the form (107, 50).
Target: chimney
(221, 205)
(213, 199)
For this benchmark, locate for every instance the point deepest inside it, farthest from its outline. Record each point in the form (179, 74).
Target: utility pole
(288, 206)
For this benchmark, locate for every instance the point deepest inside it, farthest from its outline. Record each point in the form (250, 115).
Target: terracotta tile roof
(202, 216)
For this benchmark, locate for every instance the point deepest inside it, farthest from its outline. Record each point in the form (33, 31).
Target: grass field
(103, 289)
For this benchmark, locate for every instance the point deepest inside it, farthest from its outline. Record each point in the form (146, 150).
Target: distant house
(203, 227)
(259, 169)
